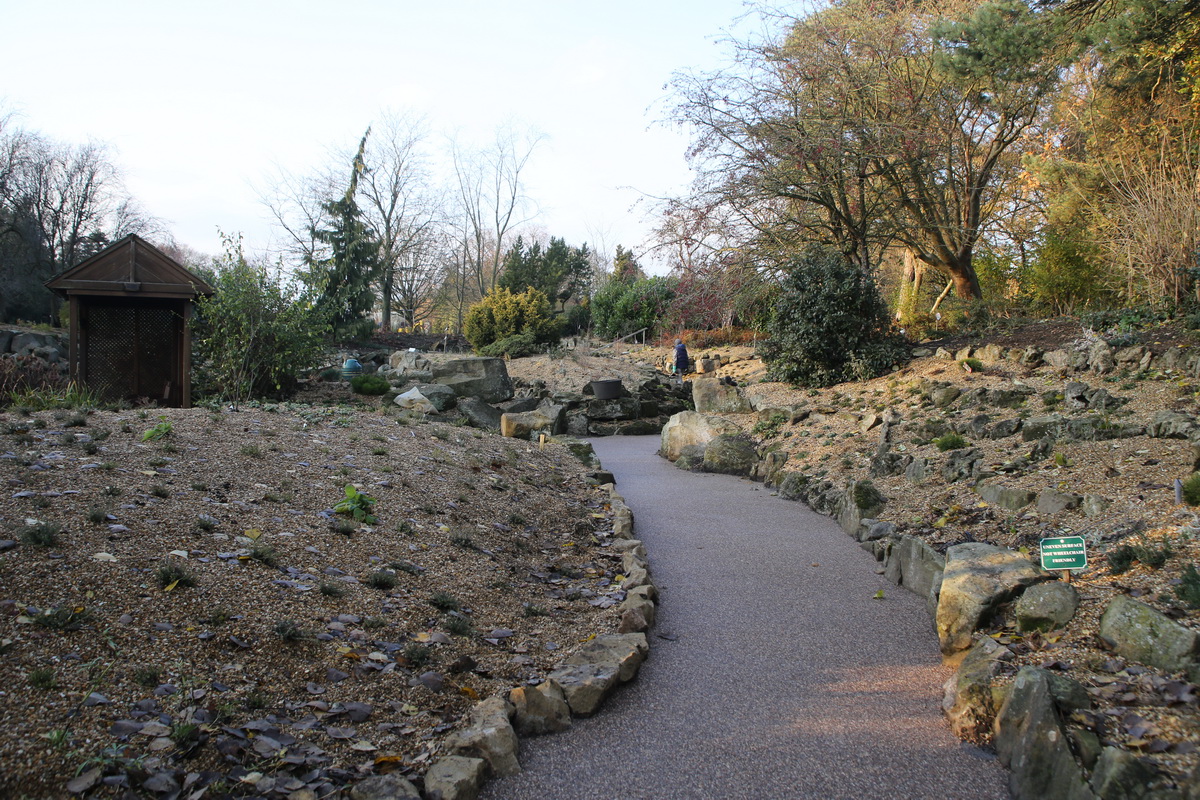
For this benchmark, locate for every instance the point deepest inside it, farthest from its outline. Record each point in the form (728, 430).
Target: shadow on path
(780, 676)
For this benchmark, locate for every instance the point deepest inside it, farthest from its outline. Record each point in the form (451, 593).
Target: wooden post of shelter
(130, 305)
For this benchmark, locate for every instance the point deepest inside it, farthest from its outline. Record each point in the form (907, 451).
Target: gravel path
(773, 672)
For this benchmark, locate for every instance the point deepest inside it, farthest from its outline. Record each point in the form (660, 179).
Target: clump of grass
(112, 491)
(379, 451)
(171, 573)
(532, 610)
(206, 523)
(158, 490)
(444, 601)
(406, 566)
(63, 618)
(382, 579)
(251, 451)
(41, 534)
(91, 448)
(1191, 490)
(290, 631)
(219, 617)
(182, 732)
(1188, 589)
(265, 554)
(372, 623)
(332, 589)
(459, 625)
(971, 365)
(1120, 559)
(516, 519)
(97, 515)
(199, 487)
(462, 540)
(343, 526)
(43, 679)
(1152, 557)
(147, 676)
(417, 655)
(950, 441)
(76, 421)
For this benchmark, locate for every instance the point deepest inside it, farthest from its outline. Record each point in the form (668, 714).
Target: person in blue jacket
(681, 360)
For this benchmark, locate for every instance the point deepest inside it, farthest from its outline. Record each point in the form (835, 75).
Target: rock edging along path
(774, 670)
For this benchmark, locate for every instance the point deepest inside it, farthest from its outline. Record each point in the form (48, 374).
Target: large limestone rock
(1031, 742)
(861, 501)
(485, 378)
(524, 424)
(489, 736)
(1046, 606)
(406, 361)
(627, 651)
(1143, 634)
(730, 454)
(539, 709)
(978, 577)
(710, 396)
(614, 409)
(455, 778)
(585, 685)
(916, 566)
(441, 397)
(689, 428)
(414, 400)
(1005, 496)
(970, 702)
(384, 787)
(1120, 775)
(479, 414)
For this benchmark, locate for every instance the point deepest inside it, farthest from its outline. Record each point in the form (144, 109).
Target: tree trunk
(910, 286)
(966, 284)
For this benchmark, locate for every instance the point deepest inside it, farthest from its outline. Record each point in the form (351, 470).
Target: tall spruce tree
(345, 274)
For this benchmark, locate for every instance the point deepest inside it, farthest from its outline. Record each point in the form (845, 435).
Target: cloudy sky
(202, 101)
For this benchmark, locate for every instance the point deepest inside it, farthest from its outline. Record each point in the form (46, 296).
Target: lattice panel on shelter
(156, 353)
(110, 358)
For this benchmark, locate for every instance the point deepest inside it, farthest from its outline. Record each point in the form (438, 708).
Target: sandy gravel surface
(774, 672)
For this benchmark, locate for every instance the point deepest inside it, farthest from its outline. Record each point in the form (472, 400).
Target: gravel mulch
(187, 609)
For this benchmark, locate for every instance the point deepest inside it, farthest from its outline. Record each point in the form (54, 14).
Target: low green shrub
(517, 346)
(950, 441)
(1191, 490)
(369, 384)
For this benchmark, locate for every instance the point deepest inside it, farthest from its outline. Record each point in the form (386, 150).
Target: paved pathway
(779, 676)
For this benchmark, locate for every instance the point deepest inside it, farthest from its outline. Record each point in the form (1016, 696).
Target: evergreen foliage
(830, 324)
(345, 274)
(502, 314)
(623, 307)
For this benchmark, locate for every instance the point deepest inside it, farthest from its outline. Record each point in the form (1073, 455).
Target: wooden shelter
(129, 335)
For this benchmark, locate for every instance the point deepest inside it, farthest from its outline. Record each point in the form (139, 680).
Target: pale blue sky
(200, 100)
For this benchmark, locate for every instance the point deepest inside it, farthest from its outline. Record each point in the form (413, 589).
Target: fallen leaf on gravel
(104, 557)
(364, 746)
(86, 781)
(340, 733)
(878, 595)
(96, 699)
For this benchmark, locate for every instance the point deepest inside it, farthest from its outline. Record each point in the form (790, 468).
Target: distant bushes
(501, 314)
(622, 307)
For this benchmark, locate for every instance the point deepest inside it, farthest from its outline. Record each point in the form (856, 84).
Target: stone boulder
(1005, 497)
(691, 428)
(413, 400)
(479, 414)
(978, 577)
(1046, 606)
(1052, 501)
(625, 650)
(1172, 425)
(455, 778)
(916, 566)
(523, 425)
(539, 709)
(730, 454)
(439, 396)
(1031, 741)
(1143, 634)
(485, 378)
(405, 361)
(615, 409)
(970, 701)
(392, 786)
(710, 396)
(961, 464)
(1120, 775)
(585, 685)
(489, 736)
(861, 501)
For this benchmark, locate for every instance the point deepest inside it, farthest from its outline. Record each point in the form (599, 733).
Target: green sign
(1064, 552)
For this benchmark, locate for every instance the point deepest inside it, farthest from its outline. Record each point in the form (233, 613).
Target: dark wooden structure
(129, 336)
